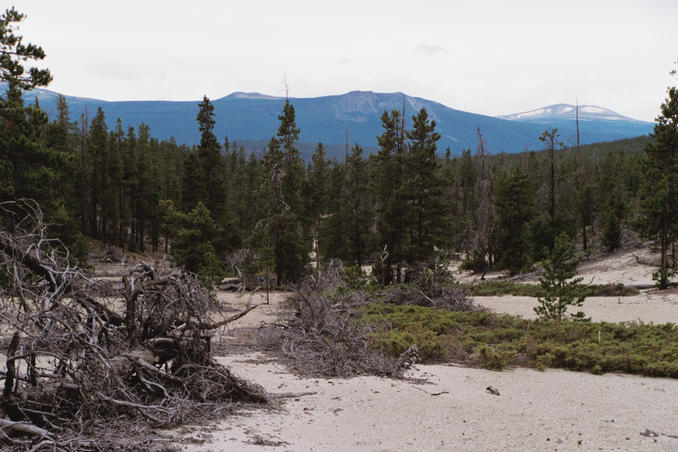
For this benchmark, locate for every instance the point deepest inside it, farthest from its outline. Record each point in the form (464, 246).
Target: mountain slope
(252, 118)
(595, 123)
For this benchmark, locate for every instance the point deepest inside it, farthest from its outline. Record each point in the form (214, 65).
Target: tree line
(392, 209)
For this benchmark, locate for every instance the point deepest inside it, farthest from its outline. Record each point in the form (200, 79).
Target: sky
(488, 57)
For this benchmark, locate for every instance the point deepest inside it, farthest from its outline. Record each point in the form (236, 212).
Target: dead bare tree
(76, 365)
(484, 211)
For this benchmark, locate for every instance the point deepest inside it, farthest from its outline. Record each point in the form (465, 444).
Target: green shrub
(498, 288)
(496, 341)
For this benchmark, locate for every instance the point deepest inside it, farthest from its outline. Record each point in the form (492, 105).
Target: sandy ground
(447, 407)
(629, 267)
(653, 306)
(450, 409)
(551, 410)
(625, 267)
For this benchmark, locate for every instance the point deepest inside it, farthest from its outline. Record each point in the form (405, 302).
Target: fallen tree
(78, 365)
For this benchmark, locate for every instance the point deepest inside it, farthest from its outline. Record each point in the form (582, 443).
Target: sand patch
(653, 306)
(551, 410)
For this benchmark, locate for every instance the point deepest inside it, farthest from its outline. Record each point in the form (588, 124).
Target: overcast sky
(489, 57)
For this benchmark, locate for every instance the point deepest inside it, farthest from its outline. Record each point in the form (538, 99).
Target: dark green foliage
(498, 288)
(611, 234)
(561, 288)
(386, 185)
(409, 196)
(282, 231)
(290, 249)
(14, 53)
(392, 210)
(211, 185)
(290, 159)
(514, 210)
(422, 190)
(192, 248)
(476, 262)
(344, 231)
(659, 192)
(496, 341)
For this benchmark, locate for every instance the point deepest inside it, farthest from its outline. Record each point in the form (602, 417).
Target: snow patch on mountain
(566, 111)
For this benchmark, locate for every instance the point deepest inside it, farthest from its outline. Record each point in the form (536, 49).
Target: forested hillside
(393, 209)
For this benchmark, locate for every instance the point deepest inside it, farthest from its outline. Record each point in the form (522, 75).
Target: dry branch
(76, 365)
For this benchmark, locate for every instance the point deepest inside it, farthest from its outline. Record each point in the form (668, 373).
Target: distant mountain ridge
(252, 118)
(567, 111)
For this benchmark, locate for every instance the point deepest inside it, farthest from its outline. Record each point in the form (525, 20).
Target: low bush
(498, 288)
(495, 341)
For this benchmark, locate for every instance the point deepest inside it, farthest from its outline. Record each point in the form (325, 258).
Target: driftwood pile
(78, 366)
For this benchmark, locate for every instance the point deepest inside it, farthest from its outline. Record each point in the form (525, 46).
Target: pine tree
(387, 188)
(550, 139)
(425, 209)
(98, 175)
(192, 247)
(659, 219)
(558, 283)
(14, 54)
(283, 184)
(514, 210)
(292, 167)
(211, 188)
(611, 228)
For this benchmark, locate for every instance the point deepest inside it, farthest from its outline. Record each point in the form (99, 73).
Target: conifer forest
(363, 254)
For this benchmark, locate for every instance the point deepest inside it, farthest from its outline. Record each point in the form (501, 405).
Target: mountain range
(252, 118)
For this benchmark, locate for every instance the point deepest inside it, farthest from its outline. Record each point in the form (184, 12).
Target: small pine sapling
(562, 290)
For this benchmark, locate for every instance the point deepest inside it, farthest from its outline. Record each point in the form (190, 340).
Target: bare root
(77, 364)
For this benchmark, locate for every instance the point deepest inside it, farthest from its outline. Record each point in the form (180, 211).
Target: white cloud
(491, 57)
(427, 49)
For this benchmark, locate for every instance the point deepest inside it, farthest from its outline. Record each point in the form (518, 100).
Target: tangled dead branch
(325, 338)
(77, 364)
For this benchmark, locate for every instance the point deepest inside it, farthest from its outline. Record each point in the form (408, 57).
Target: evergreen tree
(98, 175)
(484, 213)
(550, 140)
(192, 247)
(284, 227)
(387, 187)
(345, 232)
(14, 54)
(422, 190)
(611, 228)
(514, 210)
(291, 165)
(211, 188)
(558, 283)
(659, 193)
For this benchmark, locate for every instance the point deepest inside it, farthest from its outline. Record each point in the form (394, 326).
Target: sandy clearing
(624, 267)
(551, 410)
(629, 267)
(653, 306)
(263, 313)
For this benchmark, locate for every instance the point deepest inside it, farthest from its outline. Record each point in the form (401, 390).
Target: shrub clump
(496, 341)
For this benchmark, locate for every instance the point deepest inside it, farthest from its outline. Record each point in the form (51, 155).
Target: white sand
(654, 306)
(551, 410)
